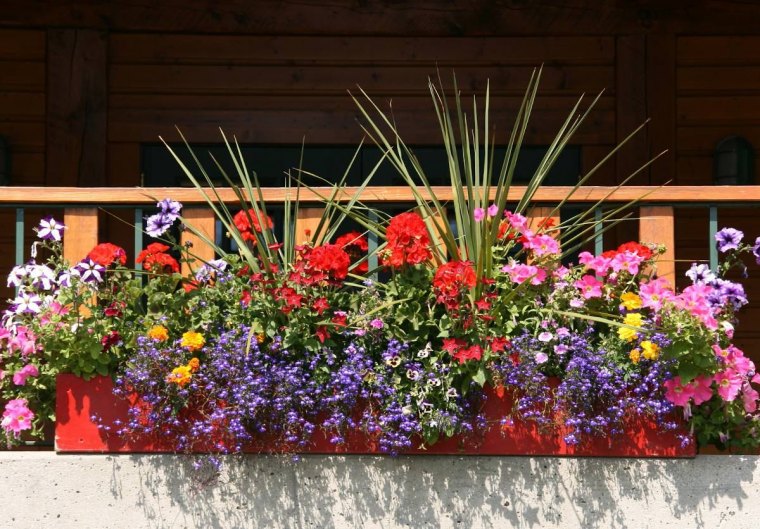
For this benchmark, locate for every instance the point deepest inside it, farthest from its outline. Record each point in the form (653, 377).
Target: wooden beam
(306, 224)
(422, 17)
(657, 225)
(630, 88)
(77, 94)
(81, 233)
(661, 106)
(203, 220)
(124, 196)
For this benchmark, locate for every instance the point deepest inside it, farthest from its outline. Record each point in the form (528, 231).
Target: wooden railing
(655, 214)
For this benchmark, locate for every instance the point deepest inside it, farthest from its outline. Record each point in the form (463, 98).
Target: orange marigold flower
(193, 340)
(180, 375)
(158, 333)
(194, 364)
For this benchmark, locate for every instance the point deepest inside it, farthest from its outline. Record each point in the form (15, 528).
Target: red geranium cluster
(356, 246)
(155, 259)
(642, 251)
(456, 347)
(452, 281)
(408, 241)
(248, 222)
(328, 262)
(106, 254)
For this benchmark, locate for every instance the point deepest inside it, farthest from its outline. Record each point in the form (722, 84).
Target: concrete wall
(41, 489)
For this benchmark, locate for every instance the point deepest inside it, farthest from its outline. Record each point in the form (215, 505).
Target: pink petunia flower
(589, 286)
(729, 383)
(702, 388)
(598, 264)
(518, 222)
(627, 262)
(479, 214)
(542, 245)
(750, 397)
(20, 376)
(519, 273)
(17, 416)
(678, 393)
(493, 210)
(654, 294)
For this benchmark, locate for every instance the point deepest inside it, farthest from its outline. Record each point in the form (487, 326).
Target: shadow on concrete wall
(437, 491)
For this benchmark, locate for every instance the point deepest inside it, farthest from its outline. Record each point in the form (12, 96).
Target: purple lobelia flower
(90, 271)
(728, 239)
(756, 250)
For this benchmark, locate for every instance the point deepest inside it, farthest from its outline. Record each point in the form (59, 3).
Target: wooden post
(537, 214)
(204, 221)
(656, 225)
(81, 234)
(306, 224)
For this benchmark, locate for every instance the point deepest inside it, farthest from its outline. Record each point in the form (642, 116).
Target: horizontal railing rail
(81, 205)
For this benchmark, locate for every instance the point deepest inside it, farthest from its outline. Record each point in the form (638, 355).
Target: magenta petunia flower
(589, 286)
(479, 214)
(17, 416)
(20, 376)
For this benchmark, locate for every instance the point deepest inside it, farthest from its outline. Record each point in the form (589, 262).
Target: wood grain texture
(306, 224)
(378, 17)
(631, 109)
(81, 232)
(204, 221)
(554, 194)
(656, 225)
(77, 95)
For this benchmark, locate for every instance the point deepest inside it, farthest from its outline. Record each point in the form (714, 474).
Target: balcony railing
(655, 215)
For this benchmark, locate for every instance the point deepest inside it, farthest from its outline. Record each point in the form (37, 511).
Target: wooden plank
(423, 17)
(591, 155)
(124, 164)
(701, 141)
(656, 225)
(27, 135)
(22, 45)
(253, 80)
(720, 50)
(22, 76)
(547, 194)
(204, 221)
(306, 224)
(327, 50)
(317, 126)
(22, 106)
(739, 110)
(661, 106)
(77, 93)
(28, 168)
(631, 107)
(81, 234)
(694, 171)
(714, 80)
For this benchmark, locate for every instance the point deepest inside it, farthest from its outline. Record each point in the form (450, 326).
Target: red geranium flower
(329, 261)
(452, 281)
(474, 352)
(110, 339)
(155, 260)
(642, 251)
(408, 241)
(356, 246)
(106, 254)
(243, 222)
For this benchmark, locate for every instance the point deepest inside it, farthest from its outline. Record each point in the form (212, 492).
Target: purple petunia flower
(728, 239)
(700, 274)
(158, 224)
(756, 250)
(50, 229)
(170, 208)
(17, 276)
(27, 303)
(90, 271)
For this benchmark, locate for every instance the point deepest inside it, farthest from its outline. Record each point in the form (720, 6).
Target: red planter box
(78, 400)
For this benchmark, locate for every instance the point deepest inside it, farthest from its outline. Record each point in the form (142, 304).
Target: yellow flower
(158, 333)
(651, 350)
(260, 337)
(633, 319)
(180, 376)
(631, 301)
(193, 340)
(194, 364)
(635, 356)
